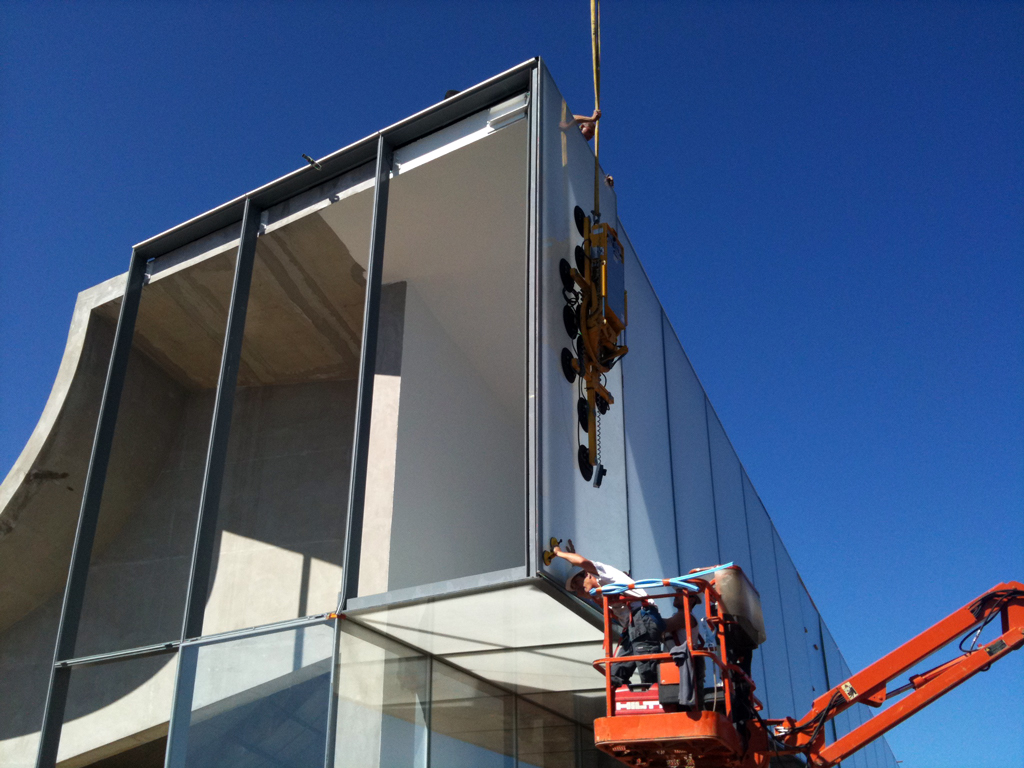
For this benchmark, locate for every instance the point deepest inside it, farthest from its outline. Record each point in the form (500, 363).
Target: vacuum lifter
(649, 729)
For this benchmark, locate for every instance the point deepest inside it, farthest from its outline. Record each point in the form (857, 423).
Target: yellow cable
(595, 39)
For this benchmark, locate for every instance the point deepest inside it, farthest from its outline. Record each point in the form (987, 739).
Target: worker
(642, 625)
(587, 125)
(691, 669)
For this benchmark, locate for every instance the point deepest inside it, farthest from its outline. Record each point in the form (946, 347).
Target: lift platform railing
(688, 587)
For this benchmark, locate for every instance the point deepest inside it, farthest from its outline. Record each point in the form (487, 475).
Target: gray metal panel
(653, 549)
(569, 506)
(696, 526)
(775, 652)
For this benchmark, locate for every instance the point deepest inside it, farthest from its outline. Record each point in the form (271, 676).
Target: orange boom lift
(641, 729)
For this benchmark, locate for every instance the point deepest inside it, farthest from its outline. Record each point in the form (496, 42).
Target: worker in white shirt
(642, 625)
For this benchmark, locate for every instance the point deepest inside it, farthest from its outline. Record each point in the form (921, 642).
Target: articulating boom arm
(869, 686)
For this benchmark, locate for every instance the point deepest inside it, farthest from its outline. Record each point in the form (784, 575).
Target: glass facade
(138, 574)
(284, 498)
(467, 342)
(253, 701)
(446, 471)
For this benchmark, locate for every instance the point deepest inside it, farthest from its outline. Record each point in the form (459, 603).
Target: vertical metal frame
(92, 497)
(367, 367)
(217, 448)
(533, 247)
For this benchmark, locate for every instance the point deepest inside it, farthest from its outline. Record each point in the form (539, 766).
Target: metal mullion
(144, 651)
(332, 702)
(430, 709)
(92, 496)
(216, 454)
(367, 366)
(180, 720)
(532, 330)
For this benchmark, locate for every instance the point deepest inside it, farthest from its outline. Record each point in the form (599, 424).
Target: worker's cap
(572, 577)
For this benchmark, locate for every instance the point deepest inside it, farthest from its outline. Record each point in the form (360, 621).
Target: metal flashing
(492, 91)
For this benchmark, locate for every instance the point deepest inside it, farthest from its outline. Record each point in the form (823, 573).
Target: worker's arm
(592, 119)
(675, 622)
(575, 559)
(579, 119)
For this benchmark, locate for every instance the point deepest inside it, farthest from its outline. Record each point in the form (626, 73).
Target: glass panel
(283, 504)
(445, 488)
(543, 739)
(119, 711)
(254, 701)
(570, 507)
(138, 575)
(775, 652)
(382, 693)
(471, 722)
(652, 526)
(691, 460)
(792, 596)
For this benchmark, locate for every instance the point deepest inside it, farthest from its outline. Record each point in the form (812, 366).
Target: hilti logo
(645, 705)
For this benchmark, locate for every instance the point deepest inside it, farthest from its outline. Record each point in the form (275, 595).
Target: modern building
(342, 393)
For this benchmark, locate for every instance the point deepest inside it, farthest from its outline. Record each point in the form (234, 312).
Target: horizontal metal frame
(263, 629)
(487, 93)
(157, 649)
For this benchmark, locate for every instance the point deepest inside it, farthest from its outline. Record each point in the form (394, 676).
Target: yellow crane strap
(595, 39)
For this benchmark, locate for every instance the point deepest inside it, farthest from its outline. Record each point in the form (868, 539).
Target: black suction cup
(580, 216)
(565, 272)
(581, 349)
(581, 260)
(583, 413)
(572, 327)
(602, 405)
(567, 369)
(586, 468)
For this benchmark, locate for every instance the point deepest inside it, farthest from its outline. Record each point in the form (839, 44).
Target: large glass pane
(652, 525)
(138, 575)
(254, 701)
(570, 507)
(792, 589)
(382, 689)
(775, 652)
(691, 460)
(543, 739)
(471, 722)
(281, 522)
(118, 711)
(445, 489)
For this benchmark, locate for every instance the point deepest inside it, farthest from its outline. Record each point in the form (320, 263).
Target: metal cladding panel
(653, 547)
(775, 651)
(696, 528)
(569, 506)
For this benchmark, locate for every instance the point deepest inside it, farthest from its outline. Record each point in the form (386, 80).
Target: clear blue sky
(829, 199)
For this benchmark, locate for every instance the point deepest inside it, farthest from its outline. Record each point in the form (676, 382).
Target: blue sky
(828, 197)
